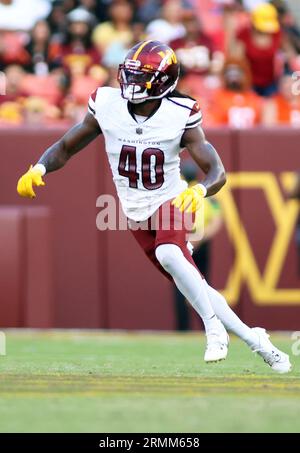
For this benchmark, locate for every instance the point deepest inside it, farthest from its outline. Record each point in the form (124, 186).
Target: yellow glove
(190, 199)
(33, 177)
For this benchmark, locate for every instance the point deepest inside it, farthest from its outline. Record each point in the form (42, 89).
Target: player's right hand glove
(33, 177)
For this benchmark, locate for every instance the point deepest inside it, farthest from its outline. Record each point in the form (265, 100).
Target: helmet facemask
(139, 84)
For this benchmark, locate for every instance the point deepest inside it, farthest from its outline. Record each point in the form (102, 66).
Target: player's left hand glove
(190, 199)
(33, 177)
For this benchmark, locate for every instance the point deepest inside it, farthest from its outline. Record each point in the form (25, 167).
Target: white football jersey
(144, 156)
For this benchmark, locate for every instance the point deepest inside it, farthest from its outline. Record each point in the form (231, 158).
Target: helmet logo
(169, 56)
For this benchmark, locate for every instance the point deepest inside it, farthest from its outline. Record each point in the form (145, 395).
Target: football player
(146, 124)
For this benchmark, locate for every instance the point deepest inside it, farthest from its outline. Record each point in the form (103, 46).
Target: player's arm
(77, 138)
(205, 155)
(55, 157)
(207, 158)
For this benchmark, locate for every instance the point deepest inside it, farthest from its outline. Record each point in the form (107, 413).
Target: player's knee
(167, 254)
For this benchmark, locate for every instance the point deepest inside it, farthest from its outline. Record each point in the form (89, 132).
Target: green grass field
(113, 382)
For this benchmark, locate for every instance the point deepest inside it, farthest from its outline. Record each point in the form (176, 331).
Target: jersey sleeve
(92, 103)
(195, 117)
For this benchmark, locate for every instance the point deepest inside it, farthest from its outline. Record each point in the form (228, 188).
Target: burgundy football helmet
(150, 71)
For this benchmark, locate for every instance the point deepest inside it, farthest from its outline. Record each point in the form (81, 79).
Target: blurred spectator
(116, 51)
(195, 49)
(288, 23)
(56, 52)
(77, 53)
(203, 88)
(260, 44)
(291, 35)
(40, 54)
(212, 12)
(81, 60)
(12, 48)
(57, 19)
(147, 10)
(169, 26)
(284, 108)
(199, 62)
(117, 29)
(93, 8)
(100, 8)
(22, 15)
(235, 104)
(14, 78)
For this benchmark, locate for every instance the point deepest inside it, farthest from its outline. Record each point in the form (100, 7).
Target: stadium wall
(58, 270)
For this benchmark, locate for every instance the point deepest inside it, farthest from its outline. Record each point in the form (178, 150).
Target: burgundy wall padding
(275, 151)
(38, 269)
(222, 250)
(11, 253)
(25, 267)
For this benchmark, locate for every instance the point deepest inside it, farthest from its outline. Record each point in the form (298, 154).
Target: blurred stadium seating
(73, 46)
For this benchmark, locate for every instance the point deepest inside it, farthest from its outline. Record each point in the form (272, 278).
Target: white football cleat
(217, 344)
(279, 361)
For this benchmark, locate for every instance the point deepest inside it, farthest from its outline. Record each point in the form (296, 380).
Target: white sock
(230, 320)
(188, 281)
